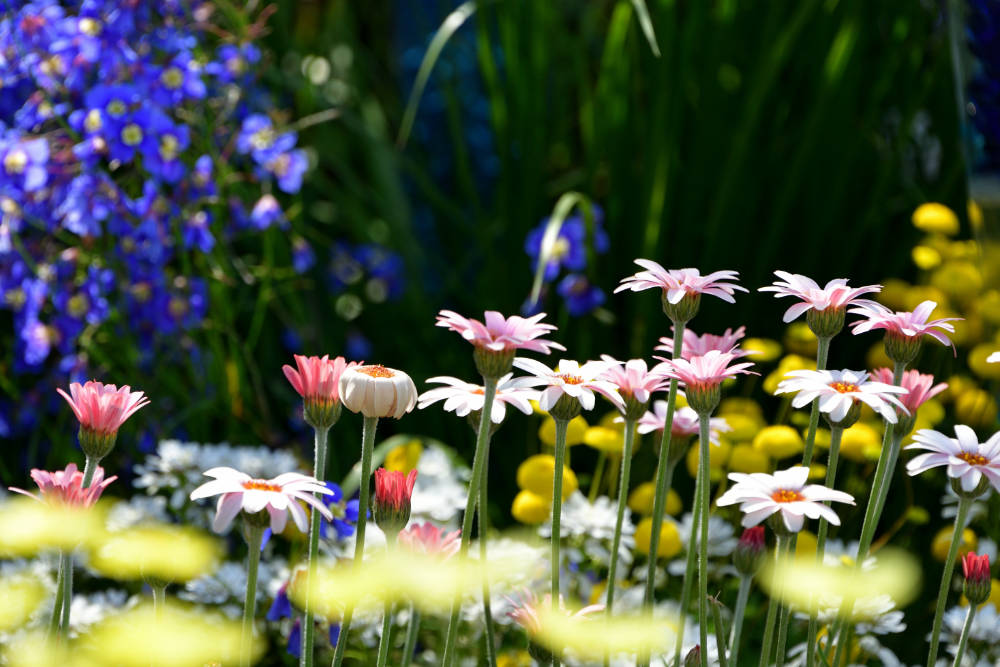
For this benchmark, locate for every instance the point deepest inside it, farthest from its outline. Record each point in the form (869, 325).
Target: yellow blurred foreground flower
(535, 475)
(590, 639)
(935, 218)
(801, 581)
(21, 597)
(158, 552)
(28, 527)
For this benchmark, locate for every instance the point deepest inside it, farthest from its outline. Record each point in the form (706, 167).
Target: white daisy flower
(968, 460)
(839, 391)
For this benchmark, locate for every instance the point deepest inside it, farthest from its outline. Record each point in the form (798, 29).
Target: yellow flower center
(15, 162)
(93, 122)
(786, 496)
(172, 77)
(570, 379)
(376, 371)
(973, 459)
(261, 485)
(844, 387)
(169, 147)
(131, 135)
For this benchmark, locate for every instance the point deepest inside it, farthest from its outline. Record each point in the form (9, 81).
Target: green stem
(253, 536)
(478, 464)
(836, 433)
(308, 626)
(822, 352)
(703, 484)
(411, 637)
(720, 632)
(738, 613)
(385, 642)
(964, 503)
(159, 598)
(367, 445)
(620, 518)
(562, 426)
(688, 581)
(89, 468)
(595, 481)
(484, 527)
(664, 475)
(56, 621)
(964, 639)
(67, 596)
(772, 608)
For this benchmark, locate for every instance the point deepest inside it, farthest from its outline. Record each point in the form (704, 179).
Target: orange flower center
(377, 371)
(479, 390)
(844, 387)
(570, 379)
(786, 496)
(261, 485)
(973, 459)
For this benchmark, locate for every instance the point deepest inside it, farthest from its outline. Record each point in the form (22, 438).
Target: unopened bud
(393, 491)
(693, 657)
(749, 554)
(826, 323)
(977, 577)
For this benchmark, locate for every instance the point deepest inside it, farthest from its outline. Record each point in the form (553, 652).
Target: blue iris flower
(580, 296)
(570, 247)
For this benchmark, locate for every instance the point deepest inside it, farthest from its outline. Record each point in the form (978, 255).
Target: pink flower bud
(393, 491)
(977, 577)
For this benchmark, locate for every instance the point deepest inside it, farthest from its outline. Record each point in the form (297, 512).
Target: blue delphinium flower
(303, 257)
(570, 247)
(580, 295)
(345, 514)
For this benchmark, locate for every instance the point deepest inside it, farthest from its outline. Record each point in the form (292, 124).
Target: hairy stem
(308, 626)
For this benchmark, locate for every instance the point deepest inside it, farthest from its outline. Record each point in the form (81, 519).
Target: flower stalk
(319, 472)
(411, 636)
(253, 533)
(964, 504)
(630, 425)
(822, 352)
(483, 518)
(781, 552)
(703, 500)
(738, 613)
(55, 623)
(964, 637)
(562, 426)
(386, 640)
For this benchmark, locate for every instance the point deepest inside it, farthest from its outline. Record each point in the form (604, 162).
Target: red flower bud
(749, 553)
(977, 577)
(393, 491)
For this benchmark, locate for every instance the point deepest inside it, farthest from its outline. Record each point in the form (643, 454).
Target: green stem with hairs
(784, 542)
(720, 631)
(478, 466)
(822, 352)
(385, 642)
(836, 433)
(702, 498)
(254, 534)
(620, 518)
(308, 626)
(55, 623)
(411, 636)
(484, 527)
(367, 445)
(964, 504)
(741, 607)
(964, 638)
(562, 426)
(67, 602)
(690, 564)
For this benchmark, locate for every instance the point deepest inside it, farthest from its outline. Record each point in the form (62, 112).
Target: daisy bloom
(279, 496)
(464, 398)
(569, 380)
(824, 306)
(682, 288)
(377, 391)
(685, 422)
(426, 538)
(698, 346)
(919, 387)
(526, 608)
(635, 382)
(101, 410)
(904, 330)
(66, 486)
(317, 379)
(703, 375)
(971, 463)
(760, 495)
(393, 491)
(841, 393)
(499, 338)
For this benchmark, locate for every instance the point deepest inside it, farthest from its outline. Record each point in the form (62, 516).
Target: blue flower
(303, 257)
(281, 607)
(345, 515)
(570, 247)
(23, 165)
(196, 233)
(266, 212)
(580, 295)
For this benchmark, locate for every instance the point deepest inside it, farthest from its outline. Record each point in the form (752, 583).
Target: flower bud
(901, 349)
(826, 323)
(493, 363)
(393, 491)
(977, 577)
(981, 488)
(852, 416)
(377, 391)
(749, 554)
(703, 399)
(684, 310)
(566, 408)
(693, 657)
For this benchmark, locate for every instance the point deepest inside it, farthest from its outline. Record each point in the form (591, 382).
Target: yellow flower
(778, 442)
(718, 456)
(893, 294)
(640, 500)
(744, 427)
(976, 222)
(968, 329)
(817, 471)
(876, 357)
(959, 280)
(935, 218)
(574, 432)
(976, 407)
(800, 339)
(670, 538)
(957, 385)
(404, 458)
(931, 412)
(859, 442)
(735, 405)
(514, 659)
(536, 472)
(977, 361)
(988, 306)
(822, 440)
(602, 438)
(762, 350)
(918, 515)
(925, 257)
(788, 363)
(747, 459)
(942, 542)
(530, 508)
(805, 545)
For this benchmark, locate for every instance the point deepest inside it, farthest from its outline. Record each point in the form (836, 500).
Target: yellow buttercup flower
(935, 218)
(893, 294)
(602, 438)
(404, 458)
(800, 339)
(925, 257)
(920, 293)
(977, 408)
(778, 442)
(718, 456)
(574, 431)
(805, 545)
(743, 427)
(817, 471)
(959, 280)
(670, 538)
(931, 412)
(942, 542)
(788, 363)
(822, 440)
(515, 659)
(735, 405)
(762, 350)
(977, 361)
(536, 472)
(745, 458)
(641, 499)
(859, 442)
(531, 508)
(957, 385)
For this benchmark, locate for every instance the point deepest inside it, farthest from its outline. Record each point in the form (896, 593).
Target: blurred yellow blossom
(745, 458)
(536, 472)
(718, 456)
(805, 545)
(817, 471)
(942, 542)
(762, 350)
(530, 508)
(736, 405)
(743, 427)
(977, 408)
(574, 433)
(404, 458)
(936, 218)
(960, 280)
(893, 294)
(799, 339)
(21, 597)
(515, 659)
(918, 515)
(605, 439)
(640, 500)
(920, 293)
(779, 441)
(988, 306)
(859, 442)
(957, 385)
(925, 257)
(977, 361)
(670, 538)
(162, 552)
(976, 222)
(876, 356)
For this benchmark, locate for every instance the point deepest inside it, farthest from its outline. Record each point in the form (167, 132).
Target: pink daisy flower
(426, 538)
(968, 460)
(279, 496)
(678, 283)
(316, 380)
(698, 346)
(501, 334)
(685, 422)
(835, 294)
(633, 378)
(103, 408)
(909, 326)
(464, 398)
(568, 378)
(705, 372)
(919, 387)
(66, 486)
(526, 606)
(839, 391)
(760, 495)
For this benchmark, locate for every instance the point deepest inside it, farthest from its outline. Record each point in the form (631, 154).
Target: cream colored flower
(377, 391)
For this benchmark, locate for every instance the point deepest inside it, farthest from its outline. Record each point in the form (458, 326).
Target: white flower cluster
(590, 527)
(722, 541)
(226, 587)
(440, 491)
